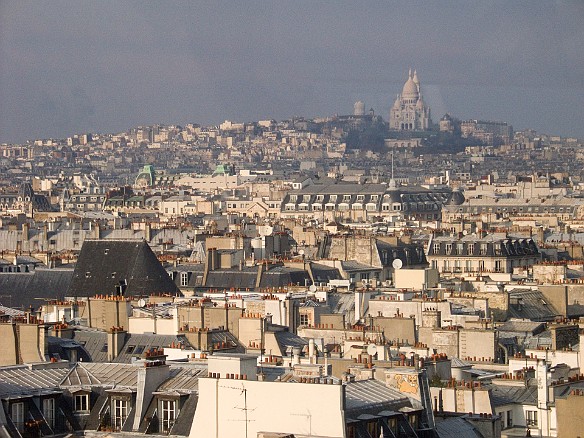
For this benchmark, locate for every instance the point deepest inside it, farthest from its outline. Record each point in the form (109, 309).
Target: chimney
(116, 337)
(147, 232)
(149, 379)
(25, 232)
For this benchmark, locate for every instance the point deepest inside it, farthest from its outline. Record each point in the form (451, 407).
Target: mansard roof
(105, 265)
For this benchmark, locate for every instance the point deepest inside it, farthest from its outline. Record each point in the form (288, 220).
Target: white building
(409, 112)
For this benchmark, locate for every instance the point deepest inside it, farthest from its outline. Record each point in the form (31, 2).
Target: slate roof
(341, 302)
(22, 379)
(89, 374)
(522, 326)
(103, 265)
(185, 380)
(324, 273)
(504, 395)
(23, 287)
(95, 343)
(373, 396)
(286, 339)
(530, 304)
(456, 427)
(273, 276)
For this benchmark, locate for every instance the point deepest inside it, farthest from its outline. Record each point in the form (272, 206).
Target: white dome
(410, 90)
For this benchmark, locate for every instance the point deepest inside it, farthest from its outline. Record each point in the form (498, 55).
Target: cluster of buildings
(264, 279)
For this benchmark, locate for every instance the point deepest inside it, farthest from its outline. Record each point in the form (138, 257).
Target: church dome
(410, 90)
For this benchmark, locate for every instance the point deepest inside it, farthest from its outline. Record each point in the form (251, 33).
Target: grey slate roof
(504, 395)
(529, 304)
(105, 264)
(22, 379)
(95, 343)
(456, 427)
(23, 287)
(372, 396)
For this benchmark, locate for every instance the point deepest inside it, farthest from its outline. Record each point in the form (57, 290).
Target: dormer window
(82, 402)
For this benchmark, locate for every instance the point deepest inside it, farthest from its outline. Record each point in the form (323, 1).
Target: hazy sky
(104, 66)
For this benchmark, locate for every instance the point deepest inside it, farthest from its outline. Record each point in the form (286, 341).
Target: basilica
(409, 112)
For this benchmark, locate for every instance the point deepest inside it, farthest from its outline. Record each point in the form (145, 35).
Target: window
(448, 248)
(498, 266)
(483, 249)
(49, 411)
(168, 409)
(130, 349)
(120, 412)
(18, 415)
(304, 319)
(460, 248)
(436, 248)
(509, 418)
(184, 278)
(531, 418)
(82, 402)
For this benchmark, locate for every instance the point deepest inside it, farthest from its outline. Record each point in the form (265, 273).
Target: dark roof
(20, 289)
(530, 304)
(95, 343)
(104, 265)
(272, 276)
(504, 395)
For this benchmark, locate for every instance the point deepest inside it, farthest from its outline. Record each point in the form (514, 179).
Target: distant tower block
(359, 108)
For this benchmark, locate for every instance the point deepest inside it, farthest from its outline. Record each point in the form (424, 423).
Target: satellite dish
(301, 252)
(371, 349)
(141, 302)
(397, 264)
(312, 288)
(464, 232)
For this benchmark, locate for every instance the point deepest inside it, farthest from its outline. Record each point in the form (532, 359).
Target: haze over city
(79, 66)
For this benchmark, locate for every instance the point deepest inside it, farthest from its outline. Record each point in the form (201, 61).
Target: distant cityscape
(354, 276)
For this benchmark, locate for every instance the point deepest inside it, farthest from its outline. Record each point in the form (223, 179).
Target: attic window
(87, 274)
(106, 251)
(139, 349)
(130, 349)
(114, 274)
(104, 348)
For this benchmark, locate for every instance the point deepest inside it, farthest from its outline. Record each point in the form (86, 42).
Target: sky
(69, 67)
